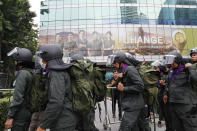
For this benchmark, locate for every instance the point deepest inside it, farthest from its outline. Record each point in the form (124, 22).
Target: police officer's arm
(59, 82)
(137, 83)
(193, 72)
(19, 93)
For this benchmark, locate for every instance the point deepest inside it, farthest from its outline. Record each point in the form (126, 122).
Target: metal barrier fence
(3, 80)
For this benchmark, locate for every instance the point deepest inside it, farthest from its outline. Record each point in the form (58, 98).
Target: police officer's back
(58, 115)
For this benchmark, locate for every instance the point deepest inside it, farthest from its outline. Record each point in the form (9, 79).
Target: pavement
(114, 122)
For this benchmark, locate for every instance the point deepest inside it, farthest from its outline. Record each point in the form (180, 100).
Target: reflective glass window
(105, 12)
(150, 1)
(75, 1)
(52, 3)
(128, 1)
(142, 1)
(60, 2)
(90, 13)
(59, 14)
(44, 3)
(51, 23)
(82, 1)
(68, 2)
(52, 14)
(44, 14)
(98, 1)
(44, 23)
(67, 13)
(59, 23)
(158, 2)
(151, 12)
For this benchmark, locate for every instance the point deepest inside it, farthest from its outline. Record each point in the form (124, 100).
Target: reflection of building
(178, 16)
(125, 19)
(129, 14)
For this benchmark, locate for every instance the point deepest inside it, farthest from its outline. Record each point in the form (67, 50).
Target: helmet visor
(38, 61)
(156, 63)
(13, 51)
(168, 59)
(110, 60)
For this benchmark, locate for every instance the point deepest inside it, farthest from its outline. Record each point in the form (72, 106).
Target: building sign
(137, 40)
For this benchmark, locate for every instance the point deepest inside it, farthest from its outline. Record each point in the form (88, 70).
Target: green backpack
(88, 86)
(99, 83)
(37, 97)
(150, 79)
(82, 94)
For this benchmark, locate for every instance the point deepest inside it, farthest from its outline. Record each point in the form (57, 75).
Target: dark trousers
(164, 112)
(130, 121)
(182, 118)
(20, 126)
(116, 95)
(143, 122)
(35, 121)
(21, 120)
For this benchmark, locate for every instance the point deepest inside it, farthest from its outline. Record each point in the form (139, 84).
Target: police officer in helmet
(131, 86)
(58, 115)
(18, 115)
(182, 98)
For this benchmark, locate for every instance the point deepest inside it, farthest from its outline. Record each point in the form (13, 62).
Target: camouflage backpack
(87, 85)
(37, 96)
(82, 94)
(99, 83)
(150, 78)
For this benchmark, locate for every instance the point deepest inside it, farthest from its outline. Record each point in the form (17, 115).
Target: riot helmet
(156, 63)
(193, 51)
(52, 53)
(21, 54)
(173, 56)
(120, 57)
(131, 60)
(76, 57)
(116, 57)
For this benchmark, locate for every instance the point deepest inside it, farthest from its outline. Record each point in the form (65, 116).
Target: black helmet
(50, 51)
(193, 51)
(76, 57)
(131, 60)
(120, 57)
(21, 54)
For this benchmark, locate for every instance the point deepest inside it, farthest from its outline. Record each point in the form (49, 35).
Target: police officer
(58, 115)
(18, 115)
(131, 86)
(181, 96)
(41, 72)
(164, 111)
(192, 67)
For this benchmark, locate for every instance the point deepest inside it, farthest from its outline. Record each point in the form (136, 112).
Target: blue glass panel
(67, 13)
(52, 13)
(59, 14)
(67, 2)
(52, 3)
(60, 2)
(59, 23)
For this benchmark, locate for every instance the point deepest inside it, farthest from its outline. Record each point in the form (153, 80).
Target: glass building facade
(101, 27)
